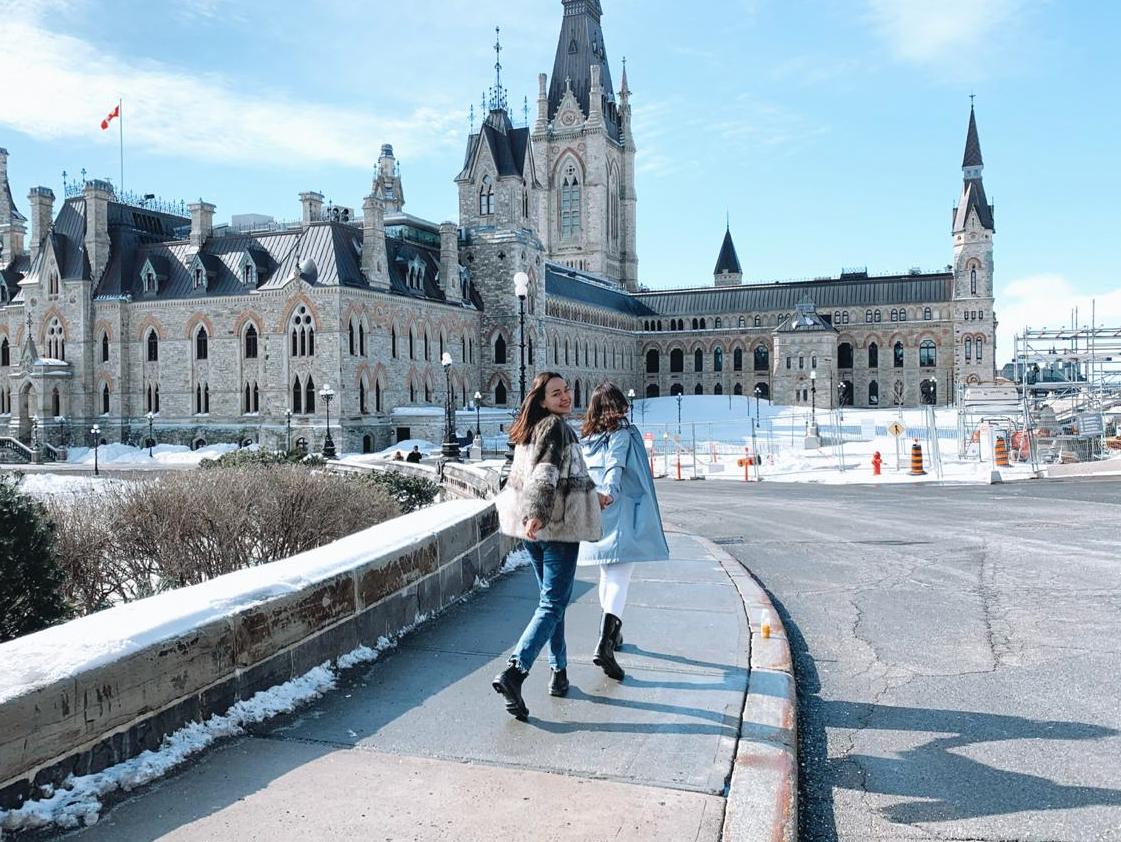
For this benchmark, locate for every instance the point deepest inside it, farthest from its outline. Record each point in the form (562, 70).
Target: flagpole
(121, 127)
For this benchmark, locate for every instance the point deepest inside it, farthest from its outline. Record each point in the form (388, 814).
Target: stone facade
(116, 310)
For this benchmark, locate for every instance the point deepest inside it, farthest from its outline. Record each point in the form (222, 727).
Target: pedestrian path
(417, 746)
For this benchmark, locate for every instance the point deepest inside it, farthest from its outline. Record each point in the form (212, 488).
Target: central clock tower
(583, 152)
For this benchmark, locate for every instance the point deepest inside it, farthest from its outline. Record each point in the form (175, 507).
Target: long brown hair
(532, 411)
(607, 410)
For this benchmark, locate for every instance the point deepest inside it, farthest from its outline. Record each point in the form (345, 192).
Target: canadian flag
(116, 112)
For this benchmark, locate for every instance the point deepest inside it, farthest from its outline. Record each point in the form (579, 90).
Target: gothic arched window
(251, 343)
(499, 349)
(763, 358)
(105, 347)
(202, 344)
(968, 348)
(486, 197)
(873, 355)
(309, 396)
(973, 281)
(874, 393)
(698, 360)
(297, 397)
(718, 359)
(570, 202)
(737, 359)
(500, 394)
(927, 354)
(653, 364)
(105, 399)
(980, 346)
(676, 361)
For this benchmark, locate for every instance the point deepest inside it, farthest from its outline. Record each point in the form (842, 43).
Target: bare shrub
(184, 528)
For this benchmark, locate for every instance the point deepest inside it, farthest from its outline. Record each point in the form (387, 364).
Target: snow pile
(39, 659)
(162, 454)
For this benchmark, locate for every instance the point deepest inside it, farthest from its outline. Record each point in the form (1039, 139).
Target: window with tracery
(486, 197)
(302, 334)
(570, 202)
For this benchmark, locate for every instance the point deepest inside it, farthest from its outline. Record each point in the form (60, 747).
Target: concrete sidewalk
(417, 746)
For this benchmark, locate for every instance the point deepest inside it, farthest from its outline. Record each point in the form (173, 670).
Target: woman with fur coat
(550, 503)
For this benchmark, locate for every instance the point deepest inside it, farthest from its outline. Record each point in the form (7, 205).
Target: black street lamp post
(757, 405)
(151, 441)
(630, 399)
(96, 432)
(35, 436)
(287, 431)
(450, 448)
(813, 398)
(327, 393)
(679, 416)
(521, 290)
(478, 425)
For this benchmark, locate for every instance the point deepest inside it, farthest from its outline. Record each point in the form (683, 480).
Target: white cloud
(944, 31)
(181, 113)
(1047, 300)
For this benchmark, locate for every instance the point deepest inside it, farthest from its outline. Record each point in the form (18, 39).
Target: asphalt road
(957, 650)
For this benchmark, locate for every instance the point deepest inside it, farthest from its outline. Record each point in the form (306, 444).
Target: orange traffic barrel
(1001, 449)
(916, 460)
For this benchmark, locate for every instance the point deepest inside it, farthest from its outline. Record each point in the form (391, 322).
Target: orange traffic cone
(1001, 449)
(916, 460)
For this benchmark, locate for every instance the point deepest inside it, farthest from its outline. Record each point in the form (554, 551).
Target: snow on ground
(162, 454)
(39, 659)
(724, 426)
(47, 485)
(78, 800)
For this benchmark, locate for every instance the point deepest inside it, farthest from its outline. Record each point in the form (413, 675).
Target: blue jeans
(554, 564)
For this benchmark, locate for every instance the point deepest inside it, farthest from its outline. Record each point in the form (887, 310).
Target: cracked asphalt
(957, 650)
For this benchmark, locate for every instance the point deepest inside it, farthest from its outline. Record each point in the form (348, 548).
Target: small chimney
(375, 261)
(98, 194)
(449, 262)
(312, 203)
(42, 215)
(202, 223)
(542, 103)
(11, 223)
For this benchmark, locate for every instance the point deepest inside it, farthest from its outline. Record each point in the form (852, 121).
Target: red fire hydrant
(876, 462)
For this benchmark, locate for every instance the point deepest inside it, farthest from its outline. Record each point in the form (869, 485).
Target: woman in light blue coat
(632, 523)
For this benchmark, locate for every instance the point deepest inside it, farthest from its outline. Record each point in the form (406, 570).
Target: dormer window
(52, 284)
(149, 282)
(198, 277)
(248, 274)
(414, 273)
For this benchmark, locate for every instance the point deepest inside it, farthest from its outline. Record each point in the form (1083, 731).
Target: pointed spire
(972, 157)
(728, 263)
(580, 46)
(497, 93)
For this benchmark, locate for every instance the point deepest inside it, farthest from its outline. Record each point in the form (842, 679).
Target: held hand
(605, 500)
(531, 527)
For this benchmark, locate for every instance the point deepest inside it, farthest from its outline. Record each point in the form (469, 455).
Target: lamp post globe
(630, 401)
(96, 432)
(326, 394)
(151, 416)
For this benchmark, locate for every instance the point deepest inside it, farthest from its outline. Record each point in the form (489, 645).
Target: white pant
(614, 580)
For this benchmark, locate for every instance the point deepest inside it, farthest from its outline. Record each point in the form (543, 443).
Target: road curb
(762, 800)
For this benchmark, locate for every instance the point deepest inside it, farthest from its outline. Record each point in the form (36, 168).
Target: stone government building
(118, 308)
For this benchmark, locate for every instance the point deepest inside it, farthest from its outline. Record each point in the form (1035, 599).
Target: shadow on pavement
(946, 784)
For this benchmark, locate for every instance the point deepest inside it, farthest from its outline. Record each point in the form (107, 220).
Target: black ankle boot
(618, 640)
(605, 650)
(558, 685)
(508, 684)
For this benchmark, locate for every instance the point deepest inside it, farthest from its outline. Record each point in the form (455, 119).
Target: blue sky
(830, 131)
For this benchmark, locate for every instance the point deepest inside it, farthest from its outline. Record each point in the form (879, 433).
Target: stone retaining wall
(103, 715)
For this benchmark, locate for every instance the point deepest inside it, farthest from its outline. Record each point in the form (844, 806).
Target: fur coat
(550, 481)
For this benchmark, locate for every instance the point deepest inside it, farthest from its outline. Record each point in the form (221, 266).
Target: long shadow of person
(945, 784)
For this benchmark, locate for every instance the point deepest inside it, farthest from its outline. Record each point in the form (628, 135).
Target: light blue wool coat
(632, 524)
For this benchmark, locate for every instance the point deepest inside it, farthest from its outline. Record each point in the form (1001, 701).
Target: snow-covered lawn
(721, 428)
(178, 455)
(46, 485)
